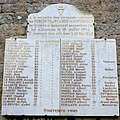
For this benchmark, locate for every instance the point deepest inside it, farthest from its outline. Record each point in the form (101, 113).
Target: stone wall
(13, 22)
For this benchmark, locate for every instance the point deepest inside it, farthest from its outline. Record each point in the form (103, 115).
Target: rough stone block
(36, 7)
(1, 72)
(88, 1)
(32, 1)
(110, 6)
(19, 30)
(6, 18)
(13, 8)
(117, 37)
(21, 18)
(106, 17)
(0, 8)
(89, 118)
(102, 6)
(106, 30)
(8, 1)
(111, 17)
(1, 56)
(97, 6)
(2, 118)
(10, 30)
(118, 56)
(106, 118)
(78, 118)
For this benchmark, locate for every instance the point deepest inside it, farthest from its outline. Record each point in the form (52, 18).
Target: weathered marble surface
(60, 21)
(75, 77)
(107, 21)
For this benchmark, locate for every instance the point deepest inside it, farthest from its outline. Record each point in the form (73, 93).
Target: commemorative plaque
(60, 21)
(60, 69)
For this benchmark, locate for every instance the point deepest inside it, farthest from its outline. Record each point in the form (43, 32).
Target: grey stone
(117, 37)
(106, 30)
(78, 118)
(8, 1)
(0, 8)
(10, 30)
(106, 17)
(6, 18)
(89, 118)
(33, 1)
(13, 8)
(21, 18)
(1, 57)
(111, 17)
(36, 7)
(118, 56)
(2, 118)
(108, 118)
(1, 71)
(110, 6)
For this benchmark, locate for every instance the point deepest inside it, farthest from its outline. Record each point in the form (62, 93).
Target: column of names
(75, 82)
(17, 83)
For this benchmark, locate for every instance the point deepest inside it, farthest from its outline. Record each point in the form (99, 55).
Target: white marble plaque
(89, 84)
(60, 21)
(65, 77)
(31, 77)
(60, 69)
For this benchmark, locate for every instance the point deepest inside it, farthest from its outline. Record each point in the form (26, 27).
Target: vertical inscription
(93, 71)
(48, 74)
(93, 68)
(36, 72)
(52, 74)
(106, 77)
(16, 83)
(73, 74)
(41, 61)
(109, 91)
